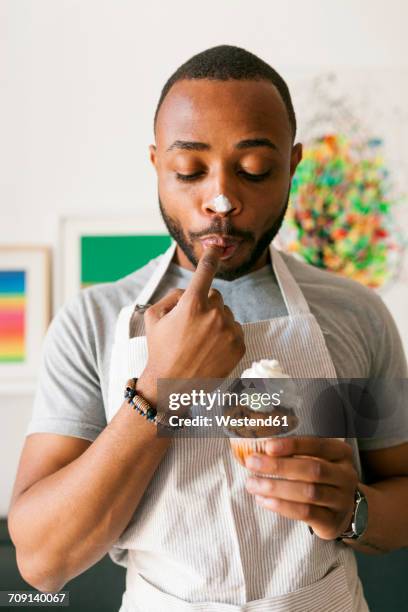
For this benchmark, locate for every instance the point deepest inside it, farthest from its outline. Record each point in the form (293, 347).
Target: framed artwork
(348, 206)
(346, 198)
(99, 250)
(25, 308)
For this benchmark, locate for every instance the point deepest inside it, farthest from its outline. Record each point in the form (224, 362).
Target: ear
(153, 155)
(295, 157)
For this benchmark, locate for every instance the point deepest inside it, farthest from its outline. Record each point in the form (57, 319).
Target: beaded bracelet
(142, 406)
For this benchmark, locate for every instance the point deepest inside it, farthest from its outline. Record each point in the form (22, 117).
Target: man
(191, 525)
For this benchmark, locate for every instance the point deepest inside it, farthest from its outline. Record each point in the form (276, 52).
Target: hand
(320, 485)
(191, 333)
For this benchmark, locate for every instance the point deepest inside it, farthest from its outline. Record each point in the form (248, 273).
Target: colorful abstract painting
(350, 188)
(12, 316)
(340, 210)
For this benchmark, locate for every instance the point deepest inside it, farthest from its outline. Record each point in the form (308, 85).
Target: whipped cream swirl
(265, 368)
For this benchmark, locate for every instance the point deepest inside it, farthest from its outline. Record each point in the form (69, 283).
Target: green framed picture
(96, 250)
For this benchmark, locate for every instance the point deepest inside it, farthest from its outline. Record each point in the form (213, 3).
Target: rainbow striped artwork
(12, 316)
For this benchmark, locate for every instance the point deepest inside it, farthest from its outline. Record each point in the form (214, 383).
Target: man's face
(231, 138)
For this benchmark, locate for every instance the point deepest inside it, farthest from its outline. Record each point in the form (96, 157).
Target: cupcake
(251, 425)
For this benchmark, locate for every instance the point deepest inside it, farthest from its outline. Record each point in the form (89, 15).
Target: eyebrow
(256, 142)
(191, 145)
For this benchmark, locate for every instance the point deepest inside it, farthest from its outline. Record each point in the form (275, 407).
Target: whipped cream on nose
(221, 203)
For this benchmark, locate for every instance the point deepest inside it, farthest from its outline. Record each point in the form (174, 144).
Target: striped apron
(197, 540)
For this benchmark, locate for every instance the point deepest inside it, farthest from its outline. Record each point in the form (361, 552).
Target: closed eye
(247, 175)
(254, 177)
(188, 177)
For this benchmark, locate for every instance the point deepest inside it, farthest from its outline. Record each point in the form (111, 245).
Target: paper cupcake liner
(243, 447)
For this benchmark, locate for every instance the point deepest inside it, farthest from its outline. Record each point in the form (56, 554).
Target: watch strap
(351, 534)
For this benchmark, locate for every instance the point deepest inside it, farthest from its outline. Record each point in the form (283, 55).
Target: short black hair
(224, 63)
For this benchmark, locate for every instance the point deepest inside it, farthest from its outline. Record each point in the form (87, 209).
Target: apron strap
(148, 290)
(294, 299)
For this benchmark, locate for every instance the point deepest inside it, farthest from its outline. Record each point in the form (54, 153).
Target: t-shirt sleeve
(68, 398)
(388, 376)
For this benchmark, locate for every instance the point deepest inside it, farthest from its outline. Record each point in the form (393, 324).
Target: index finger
(332, 449)
(204, 274)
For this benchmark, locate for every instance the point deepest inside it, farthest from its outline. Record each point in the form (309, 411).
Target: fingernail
(252, 485)
(271, 502)
(274, 446)
(254, 461)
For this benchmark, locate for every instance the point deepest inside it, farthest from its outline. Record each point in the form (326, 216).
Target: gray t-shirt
(72, 391)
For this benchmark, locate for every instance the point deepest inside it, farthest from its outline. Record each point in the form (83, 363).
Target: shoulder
(105, 300)
(90, 315)
(332, 289)
(355, 316)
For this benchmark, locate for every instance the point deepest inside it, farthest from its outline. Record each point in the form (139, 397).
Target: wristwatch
(359, 519)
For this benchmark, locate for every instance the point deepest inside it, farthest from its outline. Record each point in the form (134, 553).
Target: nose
(221, 197)
(221, 204)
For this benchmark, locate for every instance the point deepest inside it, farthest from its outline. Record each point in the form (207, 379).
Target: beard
(225, 227)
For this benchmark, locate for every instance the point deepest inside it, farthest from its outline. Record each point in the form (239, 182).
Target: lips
(229, 245)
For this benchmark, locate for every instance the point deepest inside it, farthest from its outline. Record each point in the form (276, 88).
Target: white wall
(79, 83)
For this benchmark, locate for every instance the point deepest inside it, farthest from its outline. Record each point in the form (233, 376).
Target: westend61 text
(228, 421)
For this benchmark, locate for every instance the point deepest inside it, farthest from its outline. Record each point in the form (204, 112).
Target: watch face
(361, 518)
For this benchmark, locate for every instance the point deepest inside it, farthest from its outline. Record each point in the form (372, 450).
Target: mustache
(226, 229)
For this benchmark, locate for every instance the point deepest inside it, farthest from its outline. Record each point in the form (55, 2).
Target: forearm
(387, 527)
(67, 521)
